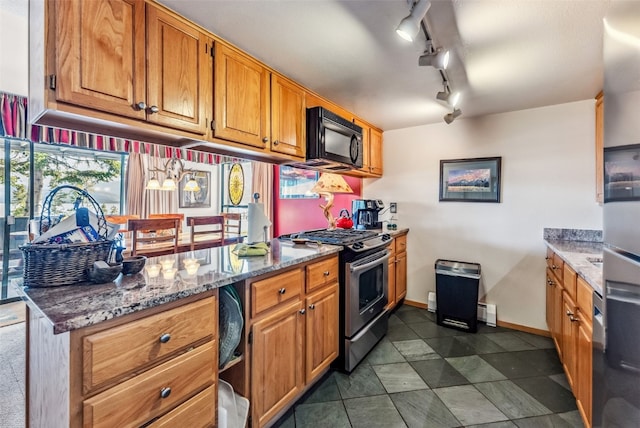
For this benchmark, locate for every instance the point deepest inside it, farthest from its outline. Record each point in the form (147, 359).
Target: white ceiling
(506, 54)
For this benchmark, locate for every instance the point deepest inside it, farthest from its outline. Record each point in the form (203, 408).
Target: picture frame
(199, 199)
(296, 183)
(470, 180)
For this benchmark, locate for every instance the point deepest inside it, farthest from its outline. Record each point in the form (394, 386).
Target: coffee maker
(365, 213)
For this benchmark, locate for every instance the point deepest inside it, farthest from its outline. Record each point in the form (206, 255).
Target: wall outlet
(393, 207)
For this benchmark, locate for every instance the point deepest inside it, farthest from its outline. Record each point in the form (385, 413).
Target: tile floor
(425, 375)
(419, 375)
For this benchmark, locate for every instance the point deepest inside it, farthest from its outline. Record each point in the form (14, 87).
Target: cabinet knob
(141, 105)
(282, 290)
(265, 140)
(165, 338)
(312, 306)
(569, 314)
(302, 311)
(554, 267)
(573, 319)
(153, 109)
(276, 142)
(165, 392)
(326, 273)
(547, 258)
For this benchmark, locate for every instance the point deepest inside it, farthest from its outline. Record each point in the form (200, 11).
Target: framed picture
(622, 173)
(470, 180)
(199, 199)
(296, 183)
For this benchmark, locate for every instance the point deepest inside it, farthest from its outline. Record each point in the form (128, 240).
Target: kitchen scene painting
(470, 180)
(296, 183)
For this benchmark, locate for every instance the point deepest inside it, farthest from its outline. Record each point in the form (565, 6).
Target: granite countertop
(77, 306)
(579, 254)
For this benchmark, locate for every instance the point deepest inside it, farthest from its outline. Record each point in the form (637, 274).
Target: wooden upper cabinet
(241, 94)
(288, 117)
(600, 148)
(100, 55)
(375, 152)
(178, 74)
(106, 62)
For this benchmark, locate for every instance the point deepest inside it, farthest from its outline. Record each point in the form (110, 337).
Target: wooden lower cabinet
(397, 280)
(569, 311)
(277, 352)
(321, 331)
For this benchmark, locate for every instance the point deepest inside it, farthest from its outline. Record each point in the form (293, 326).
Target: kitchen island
(144, 348)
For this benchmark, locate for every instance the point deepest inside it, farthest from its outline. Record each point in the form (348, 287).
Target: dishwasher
(457, 286)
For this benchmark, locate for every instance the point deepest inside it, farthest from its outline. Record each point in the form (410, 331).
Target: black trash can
(457, 294)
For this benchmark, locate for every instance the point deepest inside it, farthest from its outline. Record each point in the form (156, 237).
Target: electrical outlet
(393, 207)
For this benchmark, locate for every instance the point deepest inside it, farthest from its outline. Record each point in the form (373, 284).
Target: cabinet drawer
(569, 281)
(322, 273)
(267, 293)
(114, 353)
(392, 250)
(401, 244)
(585, 298)
(199, 412)
(138, 400)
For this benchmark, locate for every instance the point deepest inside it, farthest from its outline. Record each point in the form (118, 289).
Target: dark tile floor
(425, 375)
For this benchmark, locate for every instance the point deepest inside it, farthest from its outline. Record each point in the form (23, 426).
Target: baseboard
(499, 323)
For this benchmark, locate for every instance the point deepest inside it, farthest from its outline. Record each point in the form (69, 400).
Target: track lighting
(438, 59)
(450, 117)
(448, 96)
(410, 26)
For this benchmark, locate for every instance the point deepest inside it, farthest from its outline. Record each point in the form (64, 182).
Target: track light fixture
(438, 59)
(448, 96)
(410, 26)
(450, 117)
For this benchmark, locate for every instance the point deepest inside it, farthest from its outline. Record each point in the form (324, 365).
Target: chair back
(206, 231)
(170, 215)
(232, 223)
(154, 237)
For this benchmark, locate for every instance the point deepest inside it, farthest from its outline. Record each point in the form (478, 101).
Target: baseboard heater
(486, 311)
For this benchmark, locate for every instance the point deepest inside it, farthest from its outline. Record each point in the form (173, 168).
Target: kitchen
(505, 238)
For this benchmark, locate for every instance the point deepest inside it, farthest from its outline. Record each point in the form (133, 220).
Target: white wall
(14, 47)
(548, 176)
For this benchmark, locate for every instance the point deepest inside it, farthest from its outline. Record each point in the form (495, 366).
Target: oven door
(366, 290)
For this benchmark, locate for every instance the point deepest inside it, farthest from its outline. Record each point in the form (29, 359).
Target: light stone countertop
(77, 306)
(579, 255)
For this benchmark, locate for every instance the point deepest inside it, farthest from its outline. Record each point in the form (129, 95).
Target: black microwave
(333, 143)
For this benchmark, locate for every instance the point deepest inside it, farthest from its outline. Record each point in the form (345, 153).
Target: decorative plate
(236, 183)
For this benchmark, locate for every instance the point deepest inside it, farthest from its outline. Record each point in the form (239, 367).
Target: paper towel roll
(257, 222)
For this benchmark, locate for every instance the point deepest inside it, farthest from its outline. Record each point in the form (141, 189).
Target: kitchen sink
(596, 261)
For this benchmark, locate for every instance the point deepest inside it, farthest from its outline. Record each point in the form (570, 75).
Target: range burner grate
(337, 236)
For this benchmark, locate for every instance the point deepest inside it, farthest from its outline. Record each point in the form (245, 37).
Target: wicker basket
(52, 265)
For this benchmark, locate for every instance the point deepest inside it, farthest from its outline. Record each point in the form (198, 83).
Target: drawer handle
(312, 306)
(165, 338)
(165, 392)
(282, 290)
(326, 273)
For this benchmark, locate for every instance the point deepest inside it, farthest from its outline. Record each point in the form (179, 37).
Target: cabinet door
(375, 152)
(277, 374)
(365, 170)
(178, 73)
(391, 297)
(100, 55)
(401, 275)
(241, 98)
(569, 336)
(322, 330)
(550, 307)
(583, 369)
(288, 117)
(559, 315)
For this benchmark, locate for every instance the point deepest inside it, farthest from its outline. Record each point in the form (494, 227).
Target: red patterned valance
(13, 123)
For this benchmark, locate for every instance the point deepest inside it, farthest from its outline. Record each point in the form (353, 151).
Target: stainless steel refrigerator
(616, 328)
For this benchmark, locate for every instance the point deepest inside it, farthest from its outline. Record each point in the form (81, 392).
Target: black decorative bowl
(103, 272)
(133, 264)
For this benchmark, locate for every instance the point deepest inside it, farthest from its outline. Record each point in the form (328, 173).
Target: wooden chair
(121, 220)
(170, 215)
(211, 236)
(154, 237)
(232, 223)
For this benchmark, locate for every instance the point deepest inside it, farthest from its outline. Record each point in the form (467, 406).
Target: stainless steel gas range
(364, 274)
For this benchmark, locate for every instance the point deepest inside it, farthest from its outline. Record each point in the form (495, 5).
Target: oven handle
(357, 267)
